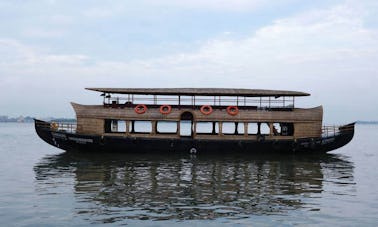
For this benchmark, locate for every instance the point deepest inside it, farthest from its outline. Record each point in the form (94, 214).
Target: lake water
(41, 185)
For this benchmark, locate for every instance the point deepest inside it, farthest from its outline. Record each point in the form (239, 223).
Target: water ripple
(117, 187)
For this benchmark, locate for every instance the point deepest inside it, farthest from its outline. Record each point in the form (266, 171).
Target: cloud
(335, 34)
(328, 52)
(61, 20)
(12, 52)
(43, 33)
(16, 55)
(317, 46)
(217, 5)
(98, 13)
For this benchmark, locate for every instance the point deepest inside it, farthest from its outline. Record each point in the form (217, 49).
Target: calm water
(41, 185)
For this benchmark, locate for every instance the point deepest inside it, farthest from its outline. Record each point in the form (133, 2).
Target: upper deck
(195, 97)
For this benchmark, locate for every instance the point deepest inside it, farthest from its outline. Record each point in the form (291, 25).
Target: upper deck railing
(181, 101)
(255, 98)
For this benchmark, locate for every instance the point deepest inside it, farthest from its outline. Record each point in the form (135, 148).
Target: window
(276, 129)
(283, 129)
(207, 127)
(257, 128)
(121, 126)
(166, 127)
(252, 128)
(233, 128)
(287, 129)
(114, 126)
(185, 128)
(228, 128)
(141, 126)
(240, 128)
(264, 129)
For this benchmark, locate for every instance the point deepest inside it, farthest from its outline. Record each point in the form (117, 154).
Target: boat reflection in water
(130, 186)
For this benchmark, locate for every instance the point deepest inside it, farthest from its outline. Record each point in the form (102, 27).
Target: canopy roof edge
(200, 92)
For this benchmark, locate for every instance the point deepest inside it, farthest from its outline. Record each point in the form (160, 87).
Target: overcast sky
(50, 50)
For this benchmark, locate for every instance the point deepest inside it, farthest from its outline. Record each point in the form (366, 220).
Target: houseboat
(195, 120)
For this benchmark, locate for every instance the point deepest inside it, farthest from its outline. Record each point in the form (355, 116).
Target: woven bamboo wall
(307, 122)
(90, 126)
(303, 130)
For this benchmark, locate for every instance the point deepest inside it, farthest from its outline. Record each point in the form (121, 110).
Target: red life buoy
(140, 109)
(165, 109)
(206, 109)
(232, 110)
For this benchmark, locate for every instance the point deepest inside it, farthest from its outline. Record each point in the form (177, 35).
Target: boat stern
(43, 130)
(336, 137)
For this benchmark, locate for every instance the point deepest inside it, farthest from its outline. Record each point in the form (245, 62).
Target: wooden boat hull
(79, 142)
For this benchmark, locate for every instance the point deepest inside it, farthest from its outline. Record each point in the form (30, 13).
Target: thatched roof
(200, 92)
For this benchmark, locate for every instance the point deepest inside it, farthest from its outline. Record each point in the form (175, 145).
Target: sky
(50, 50)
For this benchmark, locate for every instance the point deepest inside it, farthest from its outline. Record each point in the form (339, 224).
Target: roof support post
(293, 102)
(270, 129)
(154, 127)
(127, 127)
(245, 128)
(132, 126)
(260, 101)
(258, 128)
(194, 128)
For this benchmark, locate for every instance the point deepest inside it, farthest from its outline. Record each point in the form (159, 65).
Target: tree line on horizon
(5, 118)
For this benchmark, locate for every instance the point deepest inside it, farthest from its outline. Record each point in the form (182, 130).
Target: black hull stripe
(76, 142)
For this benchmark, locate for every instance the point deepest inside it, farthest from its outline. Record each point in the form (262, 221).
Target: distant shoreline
(5, 119)
(29, 122)
(367, 122)
(28, 119)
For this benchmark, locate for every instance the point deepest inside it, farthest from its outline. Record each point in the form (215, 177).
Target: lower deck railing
(328, 131)
(69, 127)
